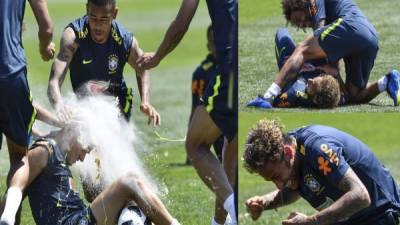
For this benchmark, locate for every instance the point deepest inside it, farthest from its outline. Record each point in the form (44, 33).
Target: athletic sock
(175, 222)
(213, 222)
(13, 201)
(273, 91)
(382, 83)
(229, 206)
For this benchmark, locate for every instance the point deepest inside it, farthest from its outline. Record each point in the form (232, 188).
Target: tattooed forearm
(354, 199)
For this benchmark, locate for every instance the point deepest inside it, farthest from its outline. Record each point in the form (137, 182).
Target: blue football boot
(260, 102)
(393, 86)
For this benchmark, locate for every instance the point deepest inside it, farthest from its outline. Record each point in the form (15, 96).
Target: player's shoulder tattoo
(68, 45)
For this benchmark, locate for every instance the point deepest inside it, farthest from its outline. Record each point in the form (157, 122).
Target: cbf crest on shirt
(105, 62)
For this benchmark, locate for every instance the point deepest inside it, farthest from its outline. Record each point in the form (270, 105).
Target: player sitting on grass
(342, 31)
(332, 170)
(53, 199)
(313, 87)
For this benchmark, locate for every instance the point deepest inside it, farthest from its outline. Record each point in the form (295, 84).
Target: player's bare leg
(202, 133)
(365, 95)
(230, 157)
(17, 180)
(107, 206)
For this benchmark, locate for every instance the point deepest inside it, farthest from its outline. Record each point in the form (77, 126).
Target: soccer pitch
(259, 20)
(380, 131)
(188, 199)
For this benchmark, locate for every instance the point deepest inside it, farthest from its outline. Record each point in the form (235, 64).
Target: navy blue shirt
(201, 77)
(51, 196)
(12, 56)
(105, 62)
(326, 153)
(331, 10)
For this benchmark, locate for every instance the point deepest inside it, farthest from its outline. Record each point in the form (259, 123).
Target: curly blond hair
(327, 93)
(264, 143)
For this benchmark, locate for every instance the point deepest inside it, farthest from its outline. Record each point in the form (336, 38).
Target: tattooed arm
(272, 200)
(355, 198)
(60, 66)
(306, 50)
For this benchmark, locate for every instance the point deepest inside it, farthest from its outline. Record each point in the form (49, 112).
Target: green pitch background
(259, 20)
(380, 131)
(188, 199)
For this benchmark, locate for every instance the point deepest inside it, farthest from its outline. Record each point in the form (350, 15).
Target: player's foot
(393, 86)
(260, 102)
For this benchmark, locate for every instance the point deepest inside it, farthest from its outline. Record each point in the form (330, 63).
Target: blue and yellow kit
(52, 197)
(348, 35)
(221, 95)
(326, 154)
(103, 62)
(17, 114)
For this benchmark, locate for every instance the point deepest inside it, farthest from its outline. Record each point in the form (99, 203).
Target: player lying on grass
(53, 199)
(332, 170)
(313, 87)
(348, 35)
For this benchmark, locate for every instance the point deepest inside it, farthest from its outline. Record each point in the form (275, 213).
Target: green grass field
(259, 20)
(380, 131)
(188, 199)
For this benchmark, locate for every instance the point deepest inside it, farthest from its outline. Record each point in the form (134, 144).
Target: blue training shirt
(51, 196)
(201, 77)
(12, 56)
(105, 62)
(326, 154)
(331, 10)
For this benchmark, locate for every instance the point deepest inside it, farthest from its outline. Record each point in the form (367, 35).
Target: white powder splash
(114, 140)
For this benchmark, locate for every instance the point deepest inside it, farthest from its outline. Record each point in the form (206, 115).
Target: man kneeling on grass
(332, 170)
(53, 200)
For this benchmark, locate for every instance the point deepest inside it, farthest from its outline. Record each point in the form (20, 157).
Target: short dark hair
(102, 2)
(264, 143)
(289, 6)
(327, 92)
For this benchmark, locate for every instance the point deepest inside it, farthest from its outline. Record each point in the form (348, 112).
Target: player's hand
(147, 61)
(47, 52)
(296, 218)
(255, 207)
(151, 112)
(64, 114)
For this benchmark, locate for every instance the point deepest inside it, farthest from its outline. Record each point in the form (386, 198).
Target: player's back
(341, 8)
(12, 57)
(343, 149)
(51, 196)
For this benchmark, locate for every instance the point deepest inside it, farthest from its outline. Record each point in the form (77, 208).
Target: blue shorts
(355, 40)
(221, 95)
(81, 217)
(17, 114)
(219, 102)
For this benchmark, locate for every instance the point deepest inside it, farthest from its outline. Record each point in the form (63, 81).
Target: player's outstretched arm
(143, 82)
(46, 116)
(354, 199)
(60, 65)
(173, 36)
(257, 204)
(46, 46)
(306, 50)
